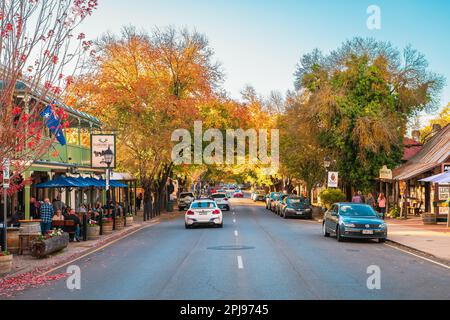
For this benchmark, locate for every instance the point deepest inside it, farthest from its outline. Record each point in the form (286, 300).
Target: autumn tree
(145, 87)
(40, 51)
(443, 119)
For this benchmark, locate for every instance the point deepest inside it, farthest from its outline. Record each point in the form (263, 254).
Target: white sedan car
(203, 212)
(222, 201)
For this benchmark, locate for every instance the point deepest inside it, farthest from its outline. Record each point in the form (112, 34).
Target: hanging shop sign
(103, 150)
(333, 179)
(385, 173)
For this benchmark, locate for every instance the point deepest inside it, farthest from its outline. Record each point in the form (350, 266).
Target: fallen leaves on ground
(12, 285)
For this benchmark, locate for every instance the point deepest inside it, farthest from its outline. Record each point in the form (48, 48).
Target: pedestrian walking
(361, 196)
(356, 198)
(46, 213)
(382, 204)
(139, 201)
(370, 200)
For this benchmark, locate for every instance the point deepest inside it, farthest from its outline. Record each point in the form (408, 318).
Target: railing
(71, 154)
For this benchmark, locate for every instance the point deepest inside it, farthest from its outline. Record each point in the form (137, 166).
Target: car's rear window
(201, 205)
(297, 200)
(218, 196)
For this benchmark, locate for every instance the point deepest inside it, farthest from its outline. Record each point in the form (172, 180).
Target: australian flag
(53, 123)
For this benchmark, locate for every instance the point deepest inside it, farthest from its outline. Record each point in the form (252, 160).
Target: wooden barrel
(119, 223)
(107, 227)
(93, 233)
(31, 227)
(13, 240)
(5, 263)
(429, 218)
(129, 221)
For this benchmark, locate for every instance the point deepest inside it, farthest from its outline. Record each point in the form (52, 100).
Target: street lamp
(108, 157)
(326, 164)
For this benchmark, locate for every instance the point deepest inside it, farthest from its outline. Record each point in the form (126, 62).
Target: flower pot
(6, 263)
(119, 223)
(107, 227)
(93, 233)
(429, 218)
(129, 220)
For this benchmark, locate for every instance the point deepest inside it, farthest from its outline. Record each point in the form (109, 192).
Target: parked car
(184, 200)
(203, 212)
(354, 220)
(295, 206)
(238, 194)
(259, 195)
(270, 198)
(278, 202)
(221, 200)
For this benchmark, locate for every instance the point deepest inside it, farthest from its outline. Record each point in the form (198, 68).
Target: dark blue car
(354, 220)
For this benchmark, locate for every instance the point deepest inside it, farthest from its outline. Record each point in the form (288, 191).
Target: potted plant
(107, 225)
(93, 230)
(5, 262)
(129, 218)
(52, 242)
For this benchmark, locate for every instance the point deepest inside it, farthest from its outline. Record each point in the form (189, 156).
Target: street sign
(333, 179)
(385, 173)
(6, 174)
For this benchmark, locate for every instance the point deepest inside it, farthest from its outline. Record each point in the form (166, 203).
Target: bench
(66, 225)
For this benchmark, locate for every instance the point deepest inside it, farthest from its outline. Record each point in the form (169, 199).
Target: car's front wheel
(382, 240)
(324, 230)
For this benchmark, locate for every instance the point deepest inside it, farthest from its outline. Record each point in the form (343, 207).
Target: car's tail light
(190, 212)
(226, 199)
(217, 211)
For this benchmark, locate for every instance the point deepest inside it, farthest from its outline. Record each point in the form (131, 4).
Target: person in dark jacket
(77, 227)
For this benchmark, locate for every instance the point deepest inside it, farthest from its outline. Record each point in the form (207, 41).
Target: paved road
(280, 259)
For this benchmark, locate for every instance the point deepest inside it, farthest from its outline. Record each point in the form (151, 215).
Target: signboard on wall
(444, 193)
(446, 167)
(103, 145)
(333, 179)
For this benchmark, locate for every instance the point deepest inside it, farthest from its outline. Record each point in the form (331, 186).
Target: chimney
(415, 134)
(436, 128)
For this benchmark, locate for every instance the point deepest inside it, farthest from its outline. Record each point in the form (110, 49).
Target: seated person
(58, 216)
(76, 228)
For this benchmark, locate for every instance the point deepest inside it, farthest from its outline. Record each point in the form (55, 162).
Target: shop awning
(438, 178)
(70, 182)
(63, 182)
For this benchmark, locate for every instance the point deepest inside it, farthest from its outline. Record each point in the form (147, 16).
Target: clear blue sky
(259, 42)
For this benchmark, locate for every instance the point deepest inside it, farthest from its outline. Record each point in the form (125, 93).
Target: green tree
(358, 100)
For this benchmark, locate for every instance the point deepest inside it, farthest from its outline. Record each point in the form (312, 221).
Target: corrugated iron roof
(434, 152)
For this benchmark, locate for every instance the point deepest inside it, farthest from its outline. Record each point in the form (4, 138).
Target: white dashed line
(240, 263)
(234, 220)
(235, 233)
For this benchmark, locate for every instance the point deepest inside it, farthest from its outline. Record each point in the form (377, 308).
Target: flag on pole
(54, 124)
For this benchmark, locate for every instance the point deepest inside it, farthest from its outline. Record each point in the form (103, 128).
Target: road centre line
(240, 263)
(235, 233)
